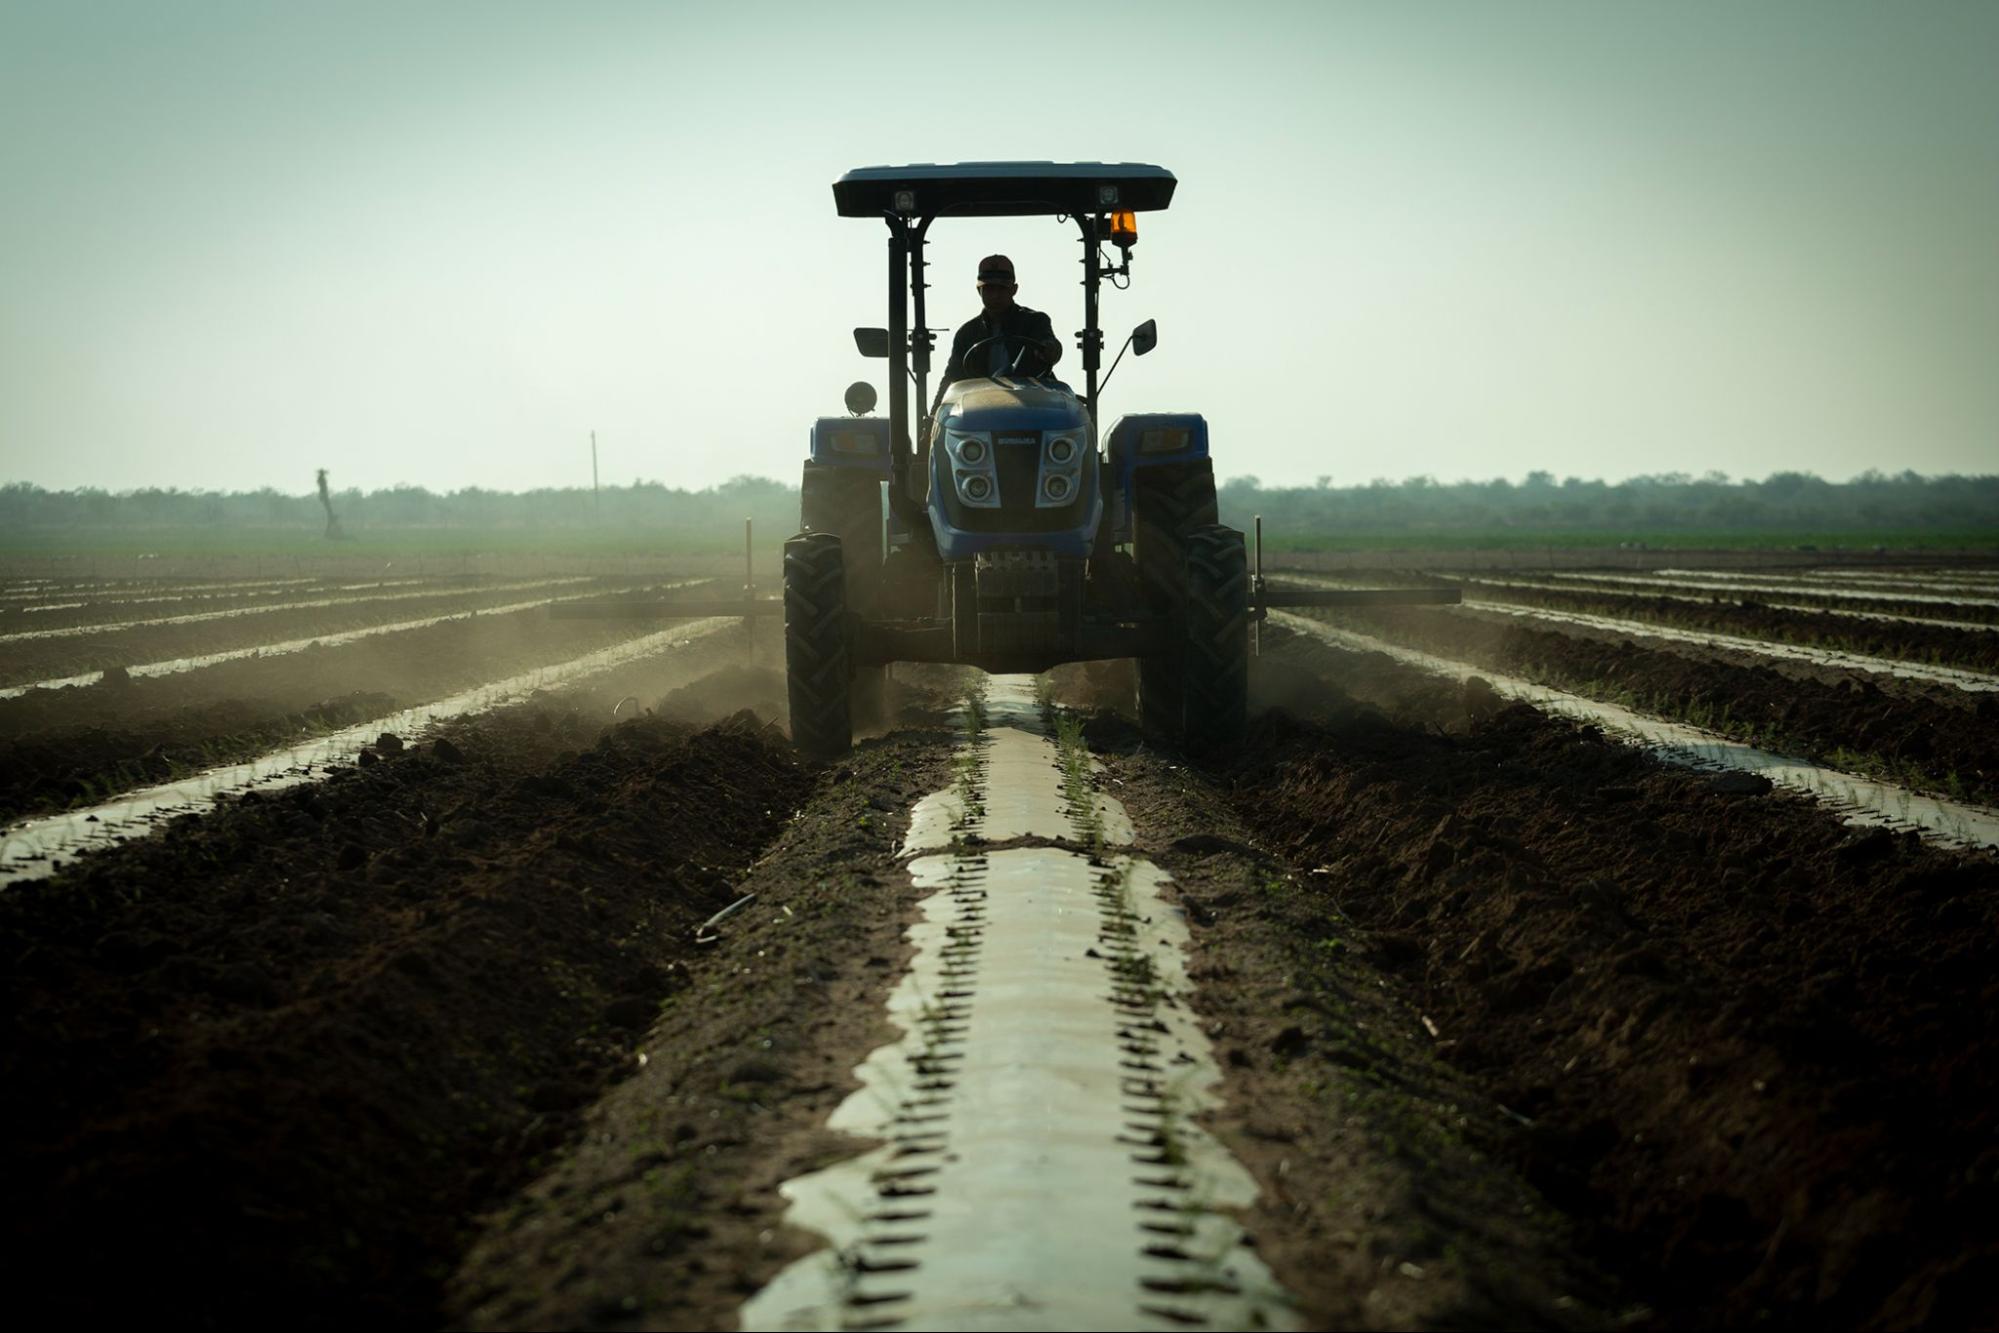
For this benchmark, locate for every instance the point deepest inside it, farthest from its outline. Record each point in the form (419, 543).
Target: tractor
(1006, 531)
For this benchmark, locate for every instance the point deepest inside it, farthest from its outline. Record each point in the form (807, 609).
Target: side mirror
(1145, 337)
(860, 397)
(871, 342)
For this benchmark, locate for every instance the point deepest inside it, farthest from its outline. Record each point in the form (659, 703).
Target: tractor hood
(1013, 465)
(1009, 404)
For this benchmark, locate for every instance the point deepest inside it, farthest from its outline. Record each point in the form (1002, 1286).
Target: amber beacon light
(1124, 230)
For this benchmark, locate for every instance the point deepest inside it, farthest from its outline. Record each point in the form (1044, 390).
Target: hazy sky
(440, 243)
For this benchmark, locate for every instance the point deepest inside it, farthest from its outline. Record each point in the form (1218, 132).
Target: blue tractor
(1004, 529)
(1014, 537)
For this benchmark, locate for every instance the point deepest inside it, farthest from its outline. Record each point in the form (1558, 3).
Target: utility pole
(596, 495)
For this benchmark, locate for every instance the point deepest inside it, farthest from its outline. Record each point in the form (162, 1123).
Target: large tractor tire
(847, 502)
(818, 654)
(1215, 640)
(1167, 502)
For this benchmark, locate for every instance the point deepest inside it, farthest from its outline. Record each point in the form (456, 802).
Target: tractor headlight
(968, 448)
(1171, 440)
(971, 455)
(1061, 471)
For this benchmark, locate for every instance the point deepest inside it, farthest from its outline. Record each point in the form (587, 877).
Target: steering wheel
(1029, 344)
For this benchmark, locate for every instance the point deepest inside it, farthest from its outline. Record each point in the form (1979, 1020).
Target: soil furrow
(49, 627)
(59, 748)
(1760, 1054)
(1910, 640)
(276, 1058)
(1983, 610)
(1845, 720)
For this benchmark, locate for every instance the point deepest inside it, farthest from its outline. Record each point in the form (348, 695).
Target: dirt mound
(726, 691)
(1759, 1051)
(276, 1057)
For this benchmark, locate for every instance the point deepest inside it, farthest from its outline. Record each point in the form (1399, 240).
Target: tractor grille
(1017, 456)
(1017, 463)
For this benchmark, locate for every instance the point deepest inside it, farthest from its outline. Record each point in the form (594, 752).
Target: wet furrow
(1858, 800)
(174, 666)
(1040, 1165)
(1964, 680)
(1713, 584)
(13, 636)
(1711, 600)
(38, 847)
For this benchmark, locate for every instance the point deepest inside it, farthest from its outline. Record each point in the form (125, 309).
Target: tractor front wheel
(818, 656)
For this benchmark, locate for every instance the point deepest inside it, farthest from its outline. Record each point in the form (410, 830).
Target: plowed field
(523, 1020)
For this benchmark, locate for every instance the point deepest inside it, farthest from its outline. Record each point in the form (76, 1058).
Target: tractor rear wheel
(818, 654)
(847, 502)
(1215, 639)
(1195, 696)
(1167, 501)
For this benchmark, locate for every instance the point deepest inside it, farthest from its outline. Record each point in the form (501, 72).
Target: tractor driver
(1004, 337)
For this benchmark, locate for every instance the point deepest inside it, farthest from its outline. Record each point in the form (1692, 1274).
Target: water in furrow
(1039, 1165)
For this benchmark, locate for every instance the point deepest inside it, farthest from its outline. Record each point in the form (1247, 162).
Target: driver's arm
(1047, 344)
(954, 366)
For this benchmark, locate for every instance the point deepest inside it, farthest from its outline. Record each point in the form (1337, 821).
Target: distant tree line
(1784, 501)
(643, 504)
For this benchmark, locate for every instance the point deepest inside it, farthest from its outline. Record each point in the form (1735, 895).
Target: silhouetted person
(1005, 338)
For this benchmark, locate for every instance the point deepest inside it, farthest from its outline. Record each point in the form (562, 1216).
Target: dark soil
(1976, 650)
(273, 1059)
(1759, 1051)
(114, 603)
(81, 744)
(1387, 1200)
(665, 1211)
(1844, 719)
(1386, 1208)
(1883, 602)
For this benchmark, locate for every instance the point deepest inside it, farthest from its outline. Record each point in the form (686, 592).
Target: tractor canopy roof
(1003, 189)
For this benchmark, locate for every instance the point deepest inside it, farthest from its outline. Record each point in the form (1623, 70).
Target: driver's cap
(996, 268)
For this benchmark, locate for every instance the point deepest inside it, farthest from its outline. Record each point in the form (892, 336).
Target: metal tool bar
(1256, 593)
